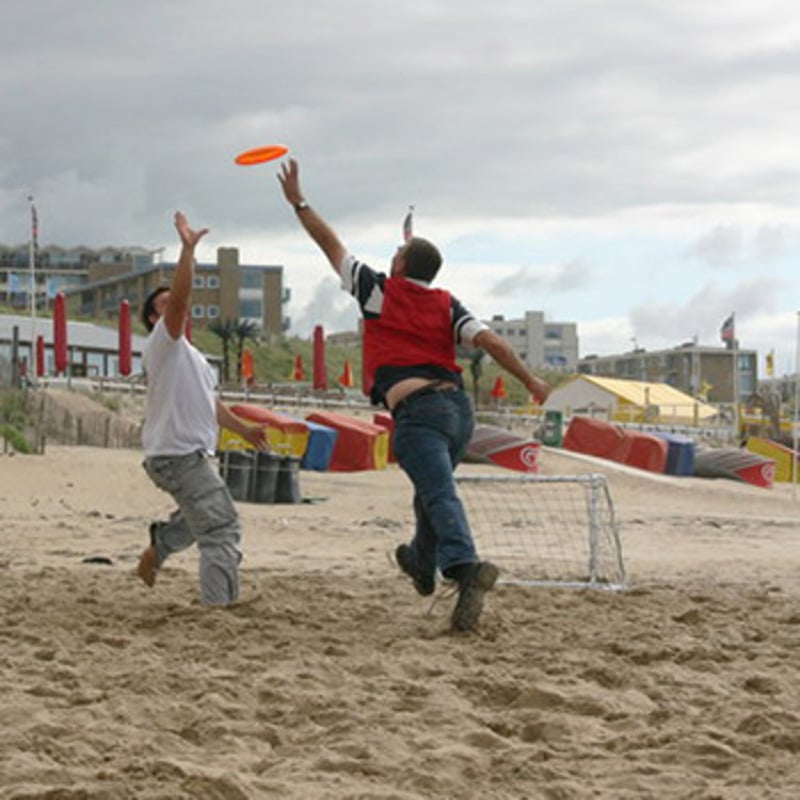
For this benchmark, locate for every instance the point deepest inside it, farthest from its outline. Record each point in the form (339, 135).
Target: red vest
(414, 327)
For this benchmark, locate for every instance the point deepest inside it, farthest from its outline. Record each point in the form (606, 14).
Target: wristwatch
(300, 206)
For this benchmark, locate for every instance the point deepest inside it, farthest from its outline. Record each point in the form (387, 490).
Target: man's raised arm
(315, 226)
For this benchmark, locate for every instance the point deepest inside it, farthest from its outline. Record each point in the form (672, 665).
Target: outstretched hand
(189, 236)
(289, 178)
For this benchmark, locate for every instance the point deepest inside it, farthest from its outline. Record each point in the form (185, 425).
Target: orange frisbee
(258, 155)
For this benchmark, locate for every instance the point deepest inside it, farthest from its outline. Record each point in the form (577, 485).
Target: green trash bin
(551, 430)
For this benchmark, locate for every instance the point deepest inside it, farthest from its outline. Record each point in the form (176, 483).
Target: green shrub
(12, 408)
(15, 437)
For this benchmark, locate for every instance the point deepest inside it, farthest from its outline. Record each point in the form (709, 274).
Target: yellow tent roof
(642, 393)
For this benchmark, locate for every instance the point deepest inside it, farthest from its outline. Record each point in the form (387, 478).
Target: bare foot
(147, 566)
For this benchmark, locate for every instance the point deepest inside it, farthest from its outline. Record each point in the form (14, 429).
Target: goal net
(545, 530)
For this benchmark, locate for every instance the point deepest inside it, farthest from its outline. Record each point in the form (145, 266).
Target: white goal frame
(584, 551)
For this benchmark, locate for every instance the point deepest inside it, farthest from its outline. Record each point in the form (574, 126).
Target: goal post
(540, 530)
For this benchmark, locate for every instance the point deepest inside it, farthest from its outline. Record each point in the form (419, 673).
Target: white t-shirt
(181, 410)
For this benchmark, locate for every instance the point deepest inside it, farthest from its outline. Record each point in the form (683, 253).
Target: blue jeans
(431, 435)
(206, 515)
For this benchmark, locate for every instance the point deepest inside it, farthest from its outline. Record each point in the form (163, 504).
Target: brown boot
(478, 579)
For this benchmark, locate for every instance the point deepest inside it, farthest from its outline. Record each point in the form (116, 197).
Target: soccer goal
(546, 530)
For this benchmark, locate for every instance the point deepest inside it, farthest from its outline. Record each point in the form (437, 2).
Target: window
(212, 311)
(212, 281)
(198, 312)
(251, 279)
(250, 309)
(199, 282)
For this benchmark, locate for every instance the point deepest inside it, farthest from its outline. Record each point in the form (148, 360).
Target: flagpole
(32, 265)
(796, 415)
(735, 384)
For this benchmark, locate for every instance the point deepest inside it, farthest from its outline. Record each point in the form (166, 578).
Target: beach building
(697, 370)
(628, 401)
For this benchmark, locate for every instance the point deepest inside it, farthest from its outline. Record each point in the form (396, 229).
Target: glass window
(251, 279)
(198, 312)
(250, 309)
(199, 282)
(212, 281)
(212, 311)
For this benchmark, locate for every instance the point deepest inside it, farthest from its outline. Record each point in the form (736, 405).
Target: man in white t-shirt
(180, 433)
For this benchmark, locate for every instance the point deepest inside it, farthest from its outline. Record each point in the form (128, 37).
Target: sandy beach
(332, 679)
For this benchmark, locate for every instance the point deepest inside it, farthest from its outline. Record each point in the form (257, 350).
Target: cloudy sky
(630, 165)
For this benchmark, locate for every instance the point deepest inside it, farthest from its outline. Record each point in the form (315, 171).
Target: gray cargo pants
(206, 515)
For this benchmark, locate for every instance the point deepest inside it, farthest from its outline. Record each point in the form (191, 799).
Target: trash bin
(552, 434)
(288, 486)
(235, 467)
(265, 477)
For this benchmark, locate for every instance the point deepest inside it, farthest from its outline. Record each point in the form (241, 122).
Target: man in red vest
(410, 336)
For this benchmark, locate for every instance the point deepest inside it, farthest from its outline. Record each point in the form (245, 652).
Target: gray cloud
(704, 312)
(722, 247)
(561, 278)
(115, 114)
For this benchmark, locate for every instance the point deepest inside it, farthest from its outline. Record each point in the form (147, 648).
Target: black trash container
(236, 469)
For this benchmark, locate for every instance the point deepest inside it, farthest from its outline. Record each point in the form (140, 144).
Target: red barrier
(606, 440)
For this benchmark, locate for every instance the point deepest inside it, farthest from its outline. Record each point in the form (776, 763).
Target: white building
(540, 344)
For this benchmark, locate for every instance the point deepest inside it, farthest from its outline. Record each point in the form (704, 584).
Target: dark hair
(148, 309)
(422, 259)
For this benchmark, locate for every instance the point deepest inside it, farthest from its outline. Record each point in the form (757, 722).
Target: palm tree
(476, 368)
(243, 329)
(225, 329)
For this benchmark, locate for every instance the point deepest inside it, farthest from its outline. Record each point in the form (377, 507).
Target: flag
(297, 372)
(726, 332)
(408, 225)
(248, 368)
(346, 378)
(499, 389)
(771, 363)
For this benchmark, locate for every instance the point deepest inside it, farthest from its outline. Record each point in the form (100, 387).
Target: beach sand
(333, 679)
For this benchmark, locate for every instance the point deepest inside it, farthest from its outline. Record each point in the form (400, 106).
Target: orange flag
(248, 370)
(499, 390)
(346, 378)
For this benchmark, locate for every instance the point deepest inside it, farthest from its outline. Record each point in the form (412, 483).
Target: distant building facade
(60, 269)
(707, 372)
(96, 281)
(540, 344)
